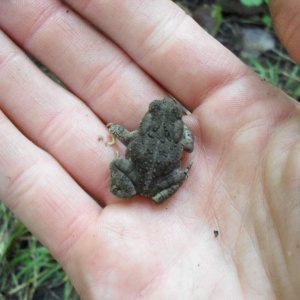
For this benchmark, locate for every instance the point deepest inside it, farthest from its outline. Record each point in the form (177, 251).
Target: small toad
(153, 155)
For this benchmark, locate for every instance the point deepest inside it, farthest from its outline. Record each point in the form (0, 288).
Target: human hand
(244, 182)
(285, 15)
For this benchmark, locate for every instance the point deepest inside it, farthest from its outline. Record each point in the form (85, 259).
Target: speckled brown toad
(153, 155)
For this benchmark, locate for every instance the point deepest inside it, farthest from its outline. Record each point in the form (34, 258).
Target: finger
(167, 44)
(90, 65)
(41, 194)
(54, 119)
(287, 21)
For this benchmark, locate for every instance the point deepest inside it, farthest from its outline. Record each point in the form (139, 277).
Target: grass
(27, 270)
(279, 70)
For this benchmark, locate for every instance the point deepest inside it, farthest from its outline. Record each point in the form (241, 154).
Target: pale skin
(54, 160)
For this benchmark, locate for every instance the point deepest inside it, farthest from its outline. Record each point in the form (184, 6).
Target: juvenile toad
(153, 155)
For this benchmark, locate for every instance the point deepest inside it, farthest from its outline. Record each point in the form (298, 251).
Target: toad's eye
(154, 107)
(167, 133)
(175, 113)
(151, 134)
(155, 128)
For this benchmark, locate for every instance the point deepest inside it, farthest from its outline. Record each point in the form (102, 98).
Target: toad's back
(153, 155)
(157, 150)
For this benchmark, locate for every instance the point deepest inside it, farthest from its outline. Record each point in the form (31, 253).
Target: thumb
(286, 18)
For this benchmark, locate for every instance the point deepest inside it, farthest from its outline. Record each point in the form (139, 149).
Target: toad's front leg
(122, 134)
(188, 140)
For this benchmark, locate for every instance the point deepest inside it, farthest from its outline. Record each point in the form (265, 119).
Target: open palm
(230, 232)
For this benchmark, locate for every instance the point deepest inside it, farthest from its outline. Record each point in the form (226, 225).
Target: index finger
(167, 43)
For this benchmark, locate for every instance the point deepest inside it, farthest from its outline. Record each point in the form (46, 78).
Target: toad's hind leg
(121, 185)
(166, 193)
(170, 184)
